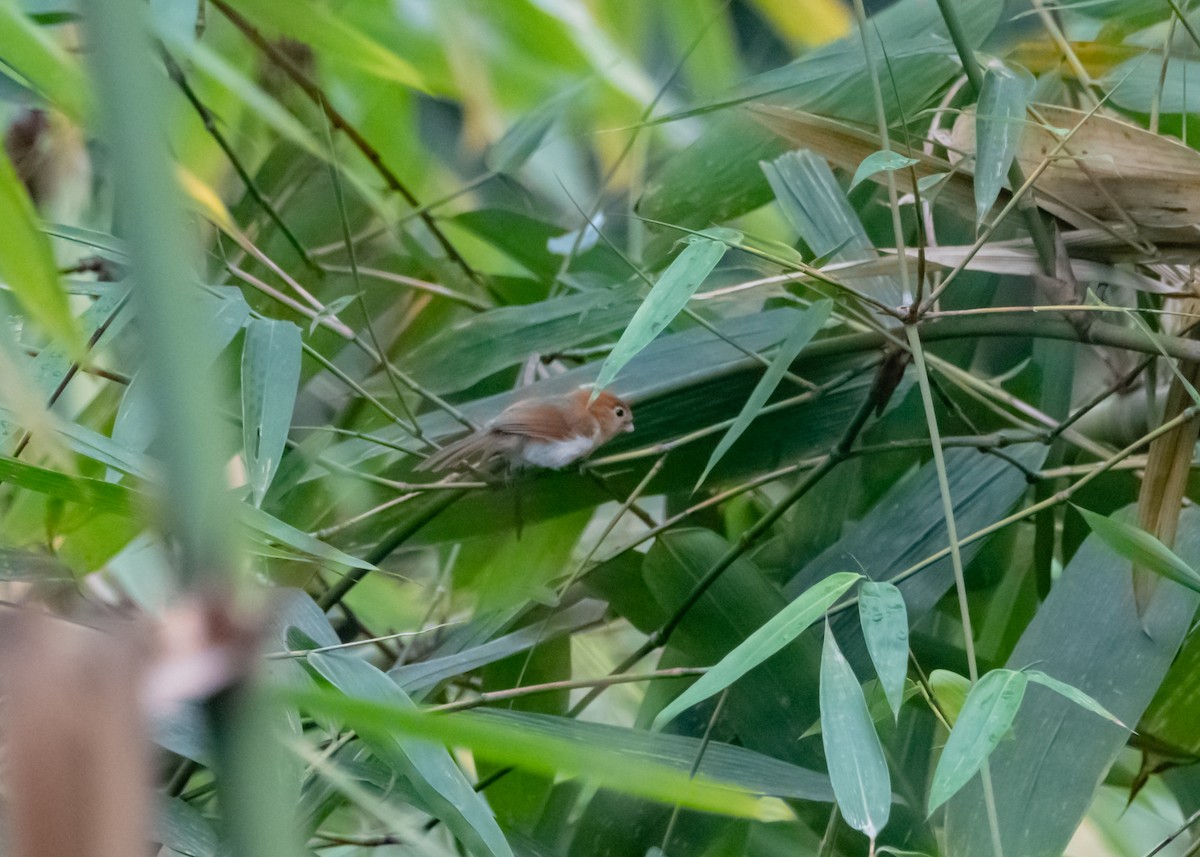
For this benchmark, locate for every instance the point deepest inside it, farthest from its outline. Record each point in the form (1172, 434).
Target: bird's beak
(629, 427)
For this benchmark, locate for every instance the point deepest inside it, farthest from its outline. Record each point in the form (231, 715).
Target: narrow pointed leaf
(784, 626)
(999, 120)
(814, 203)
(880, 162)
(525, 136)
(1143, 549)
(27, 264)
(45, 65)
(264, 525)
(95, 494)
(666, 300)
(757, 773)
(806, 328)
(885, 627)
(1074, 694)
(985, 718)
(427, 766)
(270, 377)
(1088, 632)
(857, 767)
(500, 742)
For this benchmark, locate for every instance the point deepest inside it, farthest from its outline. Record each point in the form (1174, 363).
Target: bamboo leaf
(717, 176)
(27, 264)
(666, 300)
(1141, 548)
(274, 530)
(784, 627)
(1074, 694)
(811, 321)
(755, 772)
(985, 718)
(815, 204)
(96, 494)
(463, 354)
(1045, 780)
(880, 162)
(511, 744)
(427, 766)
(270, 375)
(999, 121)
(950, 692)
(48, 68)
(885, 627)
(526, 134)
(184, 829)
(857, 767)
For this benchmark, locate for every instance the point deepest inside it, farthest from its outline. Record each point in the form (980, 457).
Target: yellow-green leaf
(43, 64)
(26, 263)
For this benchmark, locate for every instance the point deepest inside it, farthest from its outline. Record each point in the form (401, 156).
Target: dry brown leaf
(1108, 168)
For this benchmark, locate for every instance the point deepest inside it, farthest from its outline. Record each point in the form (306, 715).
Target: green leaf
(461, 355)
(666, 300)
(525, 136)
(857, 767)
(330, 311)
(999, 121)
(814, 203)
(270, 378)
(27, 264)
(1143, 549)
(424, 675)
(717, 177)
(96, 494)
(1089, 633)
(225, 314)
(513, 745)
(1074, 694)
(885, 627)
(906, 525)
(215, 68)
(950, 692)
(49, 69)
(1171, 717)
(784, 627)
(328, 32)
(880, 162)
(99, 243)
(985, 718)
(811, 321)
(727, 763)
(427, 766)
(183, 828)
(1137, 83)
(265, 524)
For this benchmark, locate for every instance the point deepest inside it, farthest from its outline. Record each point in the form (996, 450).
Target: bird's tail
(456, 454)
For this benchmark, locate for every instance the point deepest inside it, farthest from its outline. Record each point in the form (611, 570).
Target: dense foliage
(901, 555)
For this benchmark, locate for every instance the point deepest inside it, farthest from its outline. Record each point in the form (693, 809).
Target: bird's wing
(535, 420)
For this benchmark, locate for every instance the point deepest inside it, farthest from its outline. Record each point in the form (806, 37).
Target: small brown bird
(549, 432)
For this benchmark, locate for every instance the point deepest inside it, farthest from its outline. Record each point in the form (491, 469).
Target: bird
(548, 432)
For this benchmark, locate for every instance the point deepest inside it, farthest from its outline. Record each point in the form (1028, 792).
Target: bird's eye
(620, 412)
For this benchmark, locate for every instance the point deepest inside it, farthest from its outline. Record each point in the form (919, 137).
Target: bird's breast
(556, 453)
